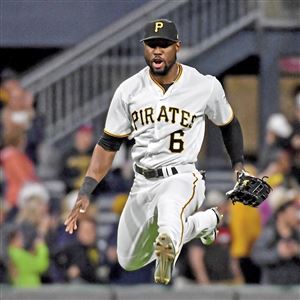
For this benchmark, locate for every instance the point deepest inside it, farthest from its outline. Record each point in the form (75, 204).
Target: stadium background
(72, 54)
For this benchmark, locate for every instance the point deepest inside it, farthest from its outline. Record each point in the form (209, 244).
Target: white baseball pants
(161, 205)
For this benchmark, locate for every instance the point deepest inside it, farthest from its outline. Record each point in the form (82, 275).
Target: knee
(126, 264)
(133, 261)
(129, 267)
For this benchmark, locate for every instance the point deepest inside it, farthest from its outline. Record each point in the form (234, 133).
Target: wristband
(89, 184)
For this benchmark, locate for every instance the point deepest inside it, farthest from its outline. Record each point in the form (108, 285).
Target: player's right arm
(100, 164)
(114, 134)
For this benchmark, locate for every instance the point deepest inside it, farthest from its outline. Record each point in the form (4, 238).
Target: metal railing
(77, 85)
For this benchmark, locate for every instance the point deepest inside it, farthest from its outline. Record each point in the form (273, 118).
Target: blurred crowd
(39, 186)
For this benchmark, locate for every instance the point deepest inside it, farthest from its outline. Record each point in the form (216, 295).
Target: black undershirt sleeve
(88, 186)
(233, 140)
(110, 143)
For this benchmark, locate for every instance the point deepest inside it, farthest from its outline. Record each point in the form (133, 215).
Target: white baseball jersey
(168, 127)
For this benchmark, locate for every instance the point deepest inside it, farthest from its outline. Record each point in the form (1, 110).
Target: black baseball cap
(160, 29)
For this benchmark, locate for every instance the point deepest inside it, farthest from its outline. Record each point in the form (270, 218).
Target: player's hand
(80, 207)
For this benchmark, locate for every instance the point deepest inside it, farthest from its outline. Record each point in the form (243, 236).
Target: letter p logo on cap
(158, 25)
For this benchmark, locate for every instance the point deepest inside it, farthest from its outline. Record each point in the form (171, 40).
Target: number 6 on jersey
(176, 141)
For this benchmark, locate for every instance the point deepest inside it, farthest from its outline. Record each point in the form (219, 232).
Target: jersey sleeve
(218, 109)
(117, 121)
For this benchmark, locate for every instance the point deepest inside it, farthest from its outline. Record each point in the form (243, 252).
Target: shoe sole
(165, 255)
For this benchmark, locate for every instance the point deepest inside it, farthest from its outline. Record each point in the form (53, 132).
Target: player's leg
(177, 198)
(182, 218)
(202, 225)
(137, 227)
(135, 248)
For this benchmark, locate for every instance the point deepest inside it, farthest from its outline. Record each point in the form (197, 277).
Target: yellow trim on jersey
(179, 73)
(182, 211)
(115, 135)
(180, 69)
(229, 120)
(157, 83)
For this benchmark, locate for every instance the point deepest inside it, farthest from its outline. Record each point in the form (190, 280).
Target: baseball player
(163, 108)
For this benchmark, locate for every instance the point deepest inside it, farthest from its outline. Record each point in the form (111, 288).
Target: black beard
(166, 69)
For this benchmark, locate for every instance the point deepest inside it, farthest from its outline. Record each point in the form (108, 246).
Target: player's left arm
(219, 111)
(233, 140)
(249, 190)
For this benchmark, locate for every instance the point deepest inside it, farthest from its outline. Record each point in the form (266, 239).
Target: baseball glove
(249, 190)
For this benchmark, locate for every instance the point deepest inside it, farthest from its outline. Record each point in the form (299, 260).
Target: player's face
(160, 55)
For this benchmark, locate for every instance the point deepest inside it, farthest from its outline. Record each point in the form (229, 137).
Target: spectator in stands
(278, 132)
(33, 224)
(117, 274)
(279, 170)
(34, 218)
(80, 261)
(17, 167)
(245, 227)
(57, 239)
(279, 173)
(76, 160)
(19, 112)
(26, 265)
(8, 80)
(213, 263)
(277, 250)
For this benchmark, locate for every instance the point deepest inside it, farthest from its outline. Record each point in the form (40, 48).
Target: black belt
(154, 173)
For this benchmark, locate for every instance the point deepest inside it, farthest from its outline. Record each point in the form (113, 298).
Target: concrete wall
(153, 292)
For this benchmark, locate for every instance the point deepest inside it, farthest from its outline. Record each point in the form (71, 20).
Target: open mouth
(157, 63)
